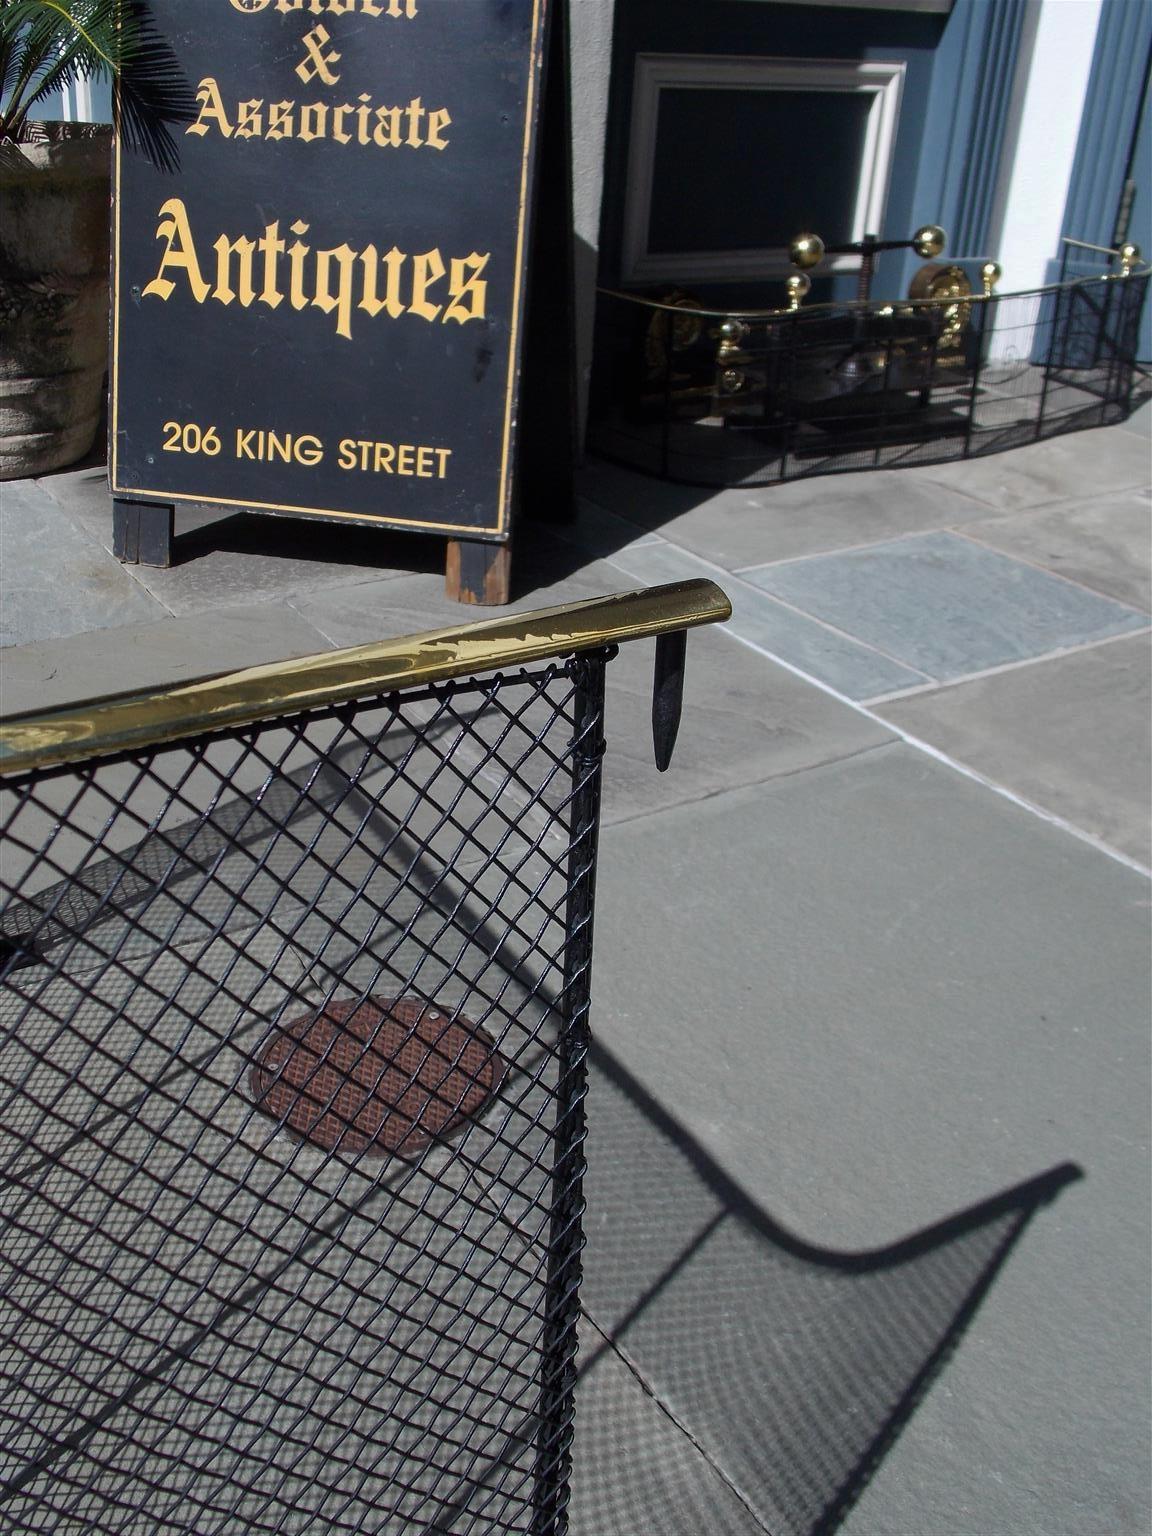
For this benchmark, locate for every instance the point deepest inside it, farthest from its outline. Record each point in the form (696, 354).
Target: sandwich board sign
(319, 312)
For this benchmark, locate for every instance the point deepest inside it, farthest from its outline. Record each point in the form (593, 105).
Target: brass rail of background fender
(120, 722)
(1140, 268)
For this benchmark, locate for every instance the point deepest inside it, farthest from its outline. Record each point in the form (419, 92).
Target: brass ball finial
(929, 241)
(798, 286)
(990, 274)
(807, 250)
(1129, 254)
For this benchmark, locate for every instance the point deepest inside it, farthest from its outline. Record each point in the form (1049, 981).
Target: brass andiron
(799, 286)
(807, 250)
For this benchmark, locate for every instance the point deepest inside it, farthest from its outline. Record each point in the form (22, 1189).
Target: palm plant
(47, 44)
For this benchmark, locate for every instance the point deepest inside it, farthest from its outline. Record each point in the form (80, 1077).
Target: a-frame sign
(320, 313)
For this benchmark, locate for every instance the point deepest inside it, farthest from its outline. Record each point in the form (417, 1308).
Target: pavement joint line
(1045, 570)
(312, 624)
(652, 1393)
(783, 602)
(899, 695)
(1033, 506)
(848, 549)
(130, 571)
(759, 782)
(919, 745)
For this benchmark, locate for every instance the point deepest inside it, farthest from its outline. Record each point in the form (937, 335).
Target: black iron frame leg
(142, 531)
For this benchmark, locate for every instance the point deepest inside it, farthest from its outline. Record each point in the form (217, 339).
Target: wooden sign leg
(478, 573)
(142, 532)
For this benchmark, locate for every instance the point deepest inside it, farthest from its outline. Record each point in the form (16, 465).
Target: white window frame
(657, 72)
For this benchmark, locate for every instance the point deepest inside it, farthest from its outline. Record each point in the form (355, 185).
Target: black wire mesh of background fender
(211, 1323)
(839, 389)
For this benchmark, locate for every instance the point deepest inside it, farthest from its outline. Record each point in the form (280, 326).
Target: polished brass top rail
(119, 722)
(1086, 245)
(1138, 267)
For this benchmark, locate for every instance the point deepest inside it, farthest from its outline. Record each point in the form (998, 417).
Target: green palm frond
(47, 44)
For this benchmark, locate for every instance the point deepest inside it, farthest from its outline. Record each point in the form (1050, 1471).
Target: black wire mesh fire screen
(712, 397)
(292, 1067)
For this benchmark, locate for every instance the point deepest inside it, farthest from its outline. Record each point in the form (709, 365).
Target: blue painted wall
(768, 30)
(960, 72)
(1115, 138)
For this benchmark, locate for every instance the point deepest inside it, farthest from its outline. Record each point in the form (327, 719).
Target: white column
(591, 32)
(1037, 186)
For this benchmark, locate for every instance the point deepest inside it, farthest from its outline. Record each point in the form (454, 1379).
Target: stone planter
(54, 197)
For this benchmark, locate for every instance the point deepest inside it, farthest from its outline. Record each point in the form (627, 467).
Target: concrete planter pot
(54, 295)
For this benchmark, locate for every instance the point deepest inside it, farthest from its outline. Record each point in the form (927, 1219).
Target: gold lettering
(443, 454)
(402, 9)
(243, 249)
(388, 122)
(244, 443)
(414, 113)
(296, 254)
(465, 282)
(436, 121)
(388, 127)
(427, 269)
(308, 449)
(385, 453)
(341, 301)
(424, 463)
(180, 252)
(345, 453)
(271, 247)
(319, 58)
(363, 117)
(278, 448)
(249, 120)
(280, 119)
(404, 456)
(211, 106)
(338, 116)
(369, 302)
(315, 113)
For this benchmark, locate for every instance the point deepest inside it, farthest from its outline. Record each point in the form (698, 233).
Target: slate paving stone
(140, 656)
(634, 1471)
(1069, 734)
(870, 990)
(858, 671)
(742, 527)
(714, 1305)
(879, 996)
(54, 579)
(1059, 469)
(945, 605)
(744, 721)
(545, 573)
(1104, 543)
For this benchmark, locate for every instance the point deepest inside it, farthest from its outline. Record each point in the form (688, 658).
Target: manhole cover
(386, 1076)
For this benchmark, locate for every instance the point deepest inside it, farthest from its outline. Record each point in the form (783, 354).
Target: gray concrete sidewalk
(873, 953)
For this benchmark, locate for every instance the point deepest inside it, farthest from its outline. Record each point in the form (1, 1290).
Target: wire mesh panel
(752, 398)
(294, 1022)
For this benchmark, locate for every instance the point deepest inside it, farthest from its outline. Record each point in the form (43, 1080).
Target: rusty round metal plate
(386, 1076)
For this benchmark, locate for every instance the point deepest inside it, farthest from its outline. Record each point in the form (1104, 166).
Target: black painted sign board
(320, 312)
